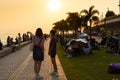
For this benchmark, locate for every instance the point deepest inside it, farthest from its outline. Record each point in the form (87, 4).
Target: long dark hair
(39, 32)
(53, 32)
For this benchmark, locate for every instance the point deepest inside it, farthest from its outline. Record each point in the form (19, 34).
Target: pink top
(39, 41)
(36, 40)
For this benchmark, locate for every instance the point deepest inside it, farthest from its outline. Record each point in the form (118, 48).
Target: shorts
(53, 54)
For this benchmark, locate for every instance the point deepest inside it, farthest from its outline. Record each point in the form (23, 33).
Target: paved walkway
(19, 66)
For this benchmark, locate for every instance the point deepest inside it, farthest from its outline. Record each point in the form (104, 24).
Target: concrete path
(20, 66)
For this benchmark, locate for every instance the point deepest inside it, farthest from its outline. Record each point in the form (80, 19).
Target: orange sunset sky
(26, 15)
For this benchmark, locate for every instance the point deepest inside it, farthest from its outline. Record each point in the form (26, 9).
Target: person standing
(38, 51)
(8, 41)
(52, 52)
(1, 45)
(19, 39)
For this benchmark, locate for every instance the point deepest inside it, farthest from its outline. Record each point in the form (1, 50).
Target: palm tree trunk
(105, 28)
(90, 29)
(63, 33)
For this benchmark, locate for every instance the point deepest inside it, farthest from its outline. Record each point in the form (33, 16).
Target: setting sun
(54, 5)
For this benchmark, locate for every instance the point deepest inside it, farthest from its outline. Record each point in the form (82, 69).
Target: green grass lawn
(88, 67)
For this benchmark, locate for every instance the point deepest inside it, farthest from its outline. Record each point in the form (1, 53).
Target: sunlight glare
(54, 5)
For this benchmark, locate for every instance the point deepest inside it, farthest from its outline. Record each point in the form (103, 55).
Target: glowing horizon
(26, 15)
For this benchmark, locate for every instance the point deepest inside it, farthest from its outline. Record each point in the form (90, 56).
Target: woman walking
(38, 51)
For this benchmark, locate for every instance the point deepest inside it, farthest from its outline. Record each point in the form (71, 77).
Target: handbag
(31, 46)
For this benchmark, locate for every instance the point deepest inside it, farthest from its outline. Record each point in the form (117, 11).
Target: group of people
(16, 44)
(113, 44)
(77, 47)
(38, 51)
(11, 42)
(18, 40)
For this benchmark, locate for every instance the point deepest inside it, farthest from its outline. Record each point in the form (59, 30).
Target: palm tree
(109, 14)
(89, 16)
(61, 26)
(74, 21)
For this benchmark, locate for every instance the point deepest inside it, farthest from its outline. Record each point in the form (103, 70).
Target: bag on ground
(114, 68)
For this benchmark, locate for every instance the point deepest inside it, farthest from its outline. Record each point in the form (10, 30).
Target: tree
(61, 26)
(109, 14)
(74, 21)
(89, 16)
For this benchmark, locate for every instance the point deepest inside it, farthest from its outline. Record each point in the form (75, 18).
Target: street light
(105, 27)
(119, 6)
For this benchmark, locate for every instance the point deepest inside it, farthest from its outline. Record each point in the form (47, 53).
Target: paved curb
(8, 50)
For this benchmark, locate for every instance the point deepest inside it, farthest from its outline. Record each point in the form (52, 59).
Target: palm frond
(95, 18)
(95, 12)
(84, 12)
(91, 9)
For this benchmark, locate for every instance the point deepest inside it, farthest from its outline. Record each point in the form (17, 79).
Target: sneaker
(37, 77)
(54, 74)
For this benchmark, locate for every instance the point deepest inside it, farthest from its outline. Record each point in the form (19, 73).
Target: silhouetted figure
(19, 39)
(52, 52)
(94, 44)
(27, 37)
(16, 40)
(103, 42)
(38, 51)
(8, 41)
(24, 37)
(1, 45)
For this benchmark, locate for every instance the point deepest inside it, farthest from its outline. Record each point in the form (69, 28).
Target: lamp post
(105, 27)
(119, 6)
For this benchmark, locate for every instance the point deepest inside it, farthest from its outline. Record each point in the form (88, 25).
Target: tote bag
(31, 46)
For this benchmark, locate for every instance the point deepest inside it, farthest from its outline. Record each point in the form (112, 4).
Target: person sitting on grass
(103, 42)
(94, 44)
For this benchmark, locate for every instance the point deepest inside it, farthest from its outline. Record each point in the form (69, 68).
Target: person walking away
(38, 51)
(52, 52)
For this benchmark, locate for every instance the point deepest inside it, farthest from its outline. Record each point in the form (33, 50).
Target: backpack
(114, 68)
